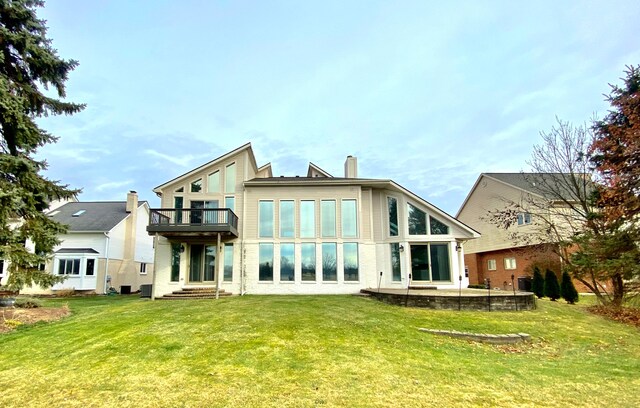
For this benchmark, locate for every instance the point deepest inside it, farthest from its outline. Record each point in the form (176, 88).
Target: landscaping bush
(65, 292)
(477, 286)
(28, 303)
(551, 286)
(567, 289)
(537, 285)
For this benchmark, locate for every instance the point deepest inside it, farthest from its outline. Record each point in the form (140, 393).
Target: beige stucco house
(106, 246)
(230, 225)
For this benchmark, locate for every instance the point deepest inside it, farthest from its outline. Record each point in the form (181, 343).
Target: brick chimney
(351, 167)
(132, 201)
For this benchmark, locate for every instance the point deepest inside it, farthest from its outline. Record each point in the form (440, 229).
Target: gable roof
(97, 217)
(217, 159)
(313, 167)
(551, 186)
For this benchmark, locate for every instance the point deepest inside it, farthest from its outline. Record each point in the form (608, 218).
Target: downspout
(106, 265)
(155, 262)
(242, 254)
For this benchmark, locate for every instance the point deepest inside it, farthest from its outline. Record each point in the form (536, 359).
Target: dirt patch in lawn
(10, 317)
(627, 315)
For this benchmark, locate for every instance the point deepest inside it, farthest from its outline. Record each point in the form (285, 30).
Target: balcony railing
(183, 221)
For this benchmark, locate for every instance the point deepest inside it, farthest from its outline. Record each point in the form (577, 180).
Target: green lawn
(313, 351)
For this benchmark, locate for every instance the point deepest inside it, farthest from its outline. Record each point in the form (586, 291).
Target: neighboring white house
(230, 224)
(106, 246)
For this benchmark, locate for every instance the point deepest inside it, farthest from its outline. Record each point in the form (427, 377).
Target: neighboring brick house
(231, 225)
(494, 255)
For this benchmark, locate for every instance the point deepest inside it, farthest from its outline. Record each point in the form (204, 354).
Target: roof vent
(78, 213)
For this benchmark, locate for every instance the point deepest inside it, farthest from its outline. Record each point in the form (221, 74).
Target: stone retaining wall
(522, 301)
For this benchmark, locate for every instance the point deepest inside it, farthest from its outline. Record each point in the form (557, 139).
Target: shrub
(12, 323)
(28, 303)
(65, 292)
(537, 285)
(567, 289)
(551, 286)
(477, 286)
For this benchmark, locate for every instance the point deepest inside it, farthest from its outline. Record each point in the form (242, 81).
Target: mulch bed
(627, 315)
(30, 316)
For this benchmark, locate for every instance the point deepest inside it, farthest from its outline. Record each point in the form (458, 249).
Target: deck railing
(187, 217)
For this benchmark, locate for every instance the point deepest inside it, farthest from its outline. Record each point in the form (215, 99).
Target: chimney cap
(133, 192)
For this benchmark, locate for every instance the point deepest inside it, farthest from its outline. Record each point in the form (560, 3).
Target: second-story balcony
(192, 222)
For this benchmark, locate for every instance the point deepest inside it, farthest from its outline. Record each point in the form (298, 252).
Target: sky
(427, 93)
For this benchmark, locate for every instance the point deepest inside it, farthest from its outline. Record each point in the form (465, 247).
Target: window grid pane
(393, 216)
(329, 262)
(328, 218)
(417, 221)
(437, 227)
(213, 182)
(287, 226)
(350, 255)
(266, 262)
(308, 261)
(266, 219)
(308, 219)
(230, 179)
(175, 262)
(228, 262)
(196, 186)
(395, 263)
(349, 219)
(287, 262)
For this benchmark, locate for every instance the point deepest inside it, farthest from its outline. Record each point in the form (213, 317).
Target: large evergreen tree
(567, 289)
(537, 284)
(551, 286)
(28, 65)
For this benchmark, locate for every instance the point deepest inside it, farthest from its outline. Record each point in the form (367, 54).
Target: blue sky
(429, 94)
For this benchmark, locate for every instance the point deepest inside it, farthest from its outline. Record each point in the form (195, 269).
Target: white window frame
(507, 263)
(492, 265)
(201, 179)
(230, 189)
(524, 218)
(143, 268)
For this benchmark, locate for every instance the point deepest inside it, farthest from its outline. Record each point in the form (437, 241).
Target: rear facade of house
(231, 225)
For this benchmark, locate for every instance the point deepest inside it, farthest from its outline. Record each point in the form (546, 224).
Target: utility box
(145, 291)
(125, 289)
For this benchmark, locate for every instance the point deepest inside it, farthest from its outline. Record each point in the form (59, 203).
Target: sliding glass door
(430, 263)
(202, 263)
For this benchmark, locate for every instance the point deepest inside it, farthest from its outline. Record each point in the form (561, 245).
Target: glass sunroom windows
(266, 262)
(350, 255)
(430, 262)
(329, 262)
(437, 227)
(308, 261)
(328, 218)
(307, 219)
(393, 216)
(349, 219)
(287, 262)
(265, 222)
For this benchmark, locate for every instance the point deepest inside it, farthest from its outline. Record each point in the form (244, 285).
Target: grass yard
(300, 351)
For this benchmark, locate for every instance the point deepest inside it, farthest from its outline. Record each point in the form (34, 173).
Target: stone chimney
(351, 167)
(132, 201)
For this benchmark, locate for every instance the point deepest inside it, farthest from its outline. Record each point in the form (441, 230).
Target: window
(440, 268)
(308, 261)
(287, 262)
(437, 227)
(265, 272)
(393, 216)
(200, 214)
(230, 179)
(228, 262)
(329, 262)
(69, 266)
(524, 219)
(180, 190)
(395, 263)
(202, 262)
(308, 220)
(430, 262)
(196, 186)
(175, 262)
(509, 263)
(349, 219)
(328, 218)
(230, 203)
(265, 223)
(287, 215)
(350, 255)
(417, 221)
(213, 182)
(491, 264)
(143, 268)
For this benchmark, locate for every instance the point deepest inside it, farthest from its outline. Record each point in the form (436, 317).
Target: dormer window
(79, 213)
